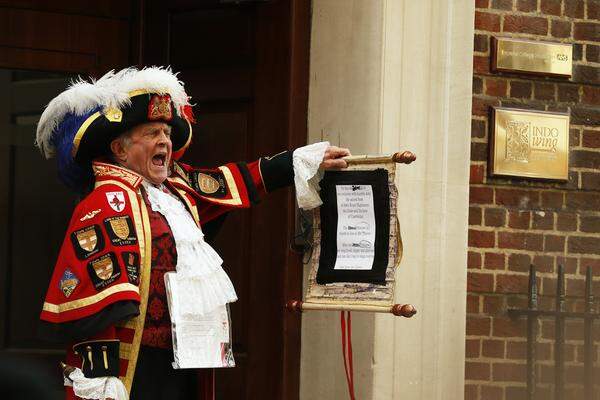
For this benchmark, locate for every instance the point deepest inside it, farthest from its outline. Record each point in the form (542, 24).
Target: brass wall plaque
(532, 144)
(542, 58)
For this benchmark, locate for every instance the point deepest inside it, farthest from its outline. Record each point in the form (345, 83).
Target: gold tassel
(105, 357)
(89, 349)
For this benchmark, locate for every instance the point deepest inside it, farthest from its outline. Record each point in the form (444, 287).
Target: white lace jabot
(203, 285)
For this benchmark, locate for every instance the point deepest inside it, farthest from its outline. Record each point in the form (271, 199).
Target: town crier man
(137, 294)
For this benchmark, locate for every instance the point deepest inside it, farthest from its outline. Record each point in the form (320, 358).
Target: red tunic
(157, 328)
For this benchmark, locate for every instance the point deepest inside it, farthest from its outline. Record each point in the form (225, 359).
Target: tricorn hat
(79, 124)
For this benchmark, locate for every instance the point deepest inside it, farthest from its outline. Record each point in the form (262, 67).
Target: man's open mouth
(159, 159)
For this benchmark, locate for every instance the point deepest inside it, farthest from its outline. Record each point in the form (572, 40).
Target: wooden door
(245, 64)
(246, 67)
(43, 45)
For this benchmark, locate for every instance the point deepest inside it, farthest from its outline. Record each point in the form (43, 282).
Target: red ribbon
(347, 351)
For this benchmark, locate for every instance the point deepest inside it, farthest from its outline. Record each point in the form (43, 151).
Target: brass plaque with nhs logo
(540, 58)
(531, 144)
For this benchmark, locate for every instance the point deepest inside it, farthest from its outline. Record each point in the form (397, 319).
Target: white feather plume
(110, 91)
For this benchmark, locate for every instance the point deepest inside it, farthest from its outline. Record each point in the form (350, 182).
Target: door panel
(245, 65)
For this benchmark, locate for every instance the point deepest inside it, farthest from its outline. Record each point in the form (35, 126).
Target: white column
(390, 75)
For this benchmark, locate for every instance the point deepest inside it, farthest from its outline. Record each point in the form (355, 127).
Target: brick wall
(514, 223)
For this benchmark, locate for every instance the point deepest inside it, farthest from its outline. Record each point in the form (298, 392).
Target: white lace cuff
(306, 162)
(103, 388)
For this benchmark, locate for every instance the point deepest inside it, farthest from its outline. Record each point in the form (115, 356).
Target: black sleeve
(277, 171)
(89, 326)
(250, 186)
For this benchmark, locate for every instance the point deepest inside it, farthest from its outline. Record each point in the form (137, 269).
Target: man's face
(149, 151)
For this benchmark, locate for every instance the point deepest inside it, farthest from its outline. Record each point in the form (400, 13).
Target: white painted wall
(389, 75)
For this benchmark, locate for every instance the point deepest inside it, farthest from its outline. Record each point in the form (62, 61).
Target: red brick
(493, 305)
(574, 135)
(586, 74)
(519, 392)
(560, 29)
(590, 139)
(516, 350)
(480, 282)
(502, 4)
(575, 287)
(494, 261)
(478, 326)
(548, 287)
(487, 22)
(477, 85)
(472, 304)
(593, 11)
(583, 201)
(543, 220)
(586, 115)
(583, 245)
(527, 5)
(517, 198)
(590, 181)
(492, 348)
(552, 200)
(593, 263)
(577, 52)
(471, 391)
(476, 174)
(481, 65)
(520, 241)
(507, 327)
(509, 372)
(492, 392)
(544, 91)
(472, 348)
(521, 90)
(495, 217)
(519, 262)
(548, 329)
(516, 302)
(473, 260)
(589, 223)
(553, 243)
(475, 216)
(543, 263)
(551, 7)
(481, 195)
(496, 87)
(568, 93)
(512, 283)
(592, 53)
(478, 128)
(585, 159)
(519, 219)
(481, 43)
(570, 264)
(477, 371)
(482, 3)
(525, 24)
(574, 375)
(586, 31)
(479, 151)
(574, 8)
(591, 95)
(481, 107)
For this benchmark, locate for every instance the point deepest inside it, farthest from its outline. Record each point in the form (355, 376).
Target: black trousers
(155, 378)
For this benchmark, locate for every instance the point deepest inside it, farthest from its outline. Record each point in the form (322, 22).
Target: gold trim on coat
(144, 236)
(86, 301)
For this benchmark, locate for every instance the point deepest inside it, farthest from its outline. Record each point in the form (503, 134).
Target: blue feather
(73, 175)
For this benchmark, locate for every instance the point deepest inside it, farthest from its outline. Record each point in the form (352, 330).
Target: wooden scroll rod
(403, 157)
(399, 310)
